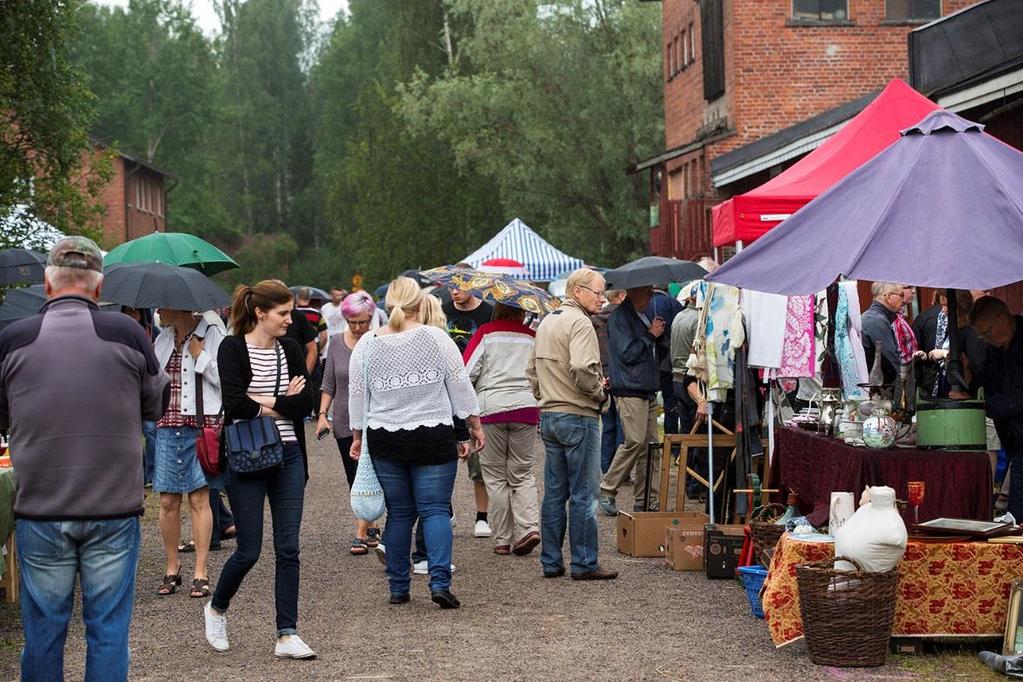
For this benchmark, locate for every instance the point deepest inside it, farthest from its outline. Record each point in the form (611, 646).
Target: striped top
(264, 362)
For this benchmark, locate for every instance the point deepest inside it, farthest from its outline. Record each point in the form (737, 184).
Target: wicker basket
(847, 615)
(763, 529)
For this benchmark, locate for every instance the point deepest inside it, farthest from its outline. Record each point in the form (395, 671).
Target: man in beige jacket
(564, 373)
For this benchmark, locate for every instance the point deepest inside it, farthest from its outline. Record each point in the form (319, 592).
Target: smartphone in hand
(322, 433)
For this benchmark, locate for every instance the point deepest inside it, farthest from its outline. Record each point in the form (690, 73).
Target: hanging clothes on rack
(765, 323)
(798, 346)
(725, 333)
(845, 347)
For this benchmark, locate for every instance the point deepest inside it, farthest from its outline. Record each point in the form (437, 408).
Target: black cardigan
(236, 375)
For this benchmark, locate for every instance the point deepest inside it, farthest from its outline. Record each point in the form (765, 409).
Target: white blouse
(415, 378)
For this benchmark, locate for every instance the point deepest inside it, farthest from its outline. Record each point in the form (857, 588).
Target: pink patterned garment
(906, 339)
(797, 356)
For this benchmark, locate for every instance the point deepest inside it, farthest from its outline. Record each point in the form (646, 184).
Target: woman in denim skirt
(187, 349)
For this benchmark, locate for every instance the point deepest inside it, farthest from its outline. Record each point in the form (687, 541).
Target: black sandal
(200, 588)
(373, 537)
(359, 547)
(187, 547)
(169, 585)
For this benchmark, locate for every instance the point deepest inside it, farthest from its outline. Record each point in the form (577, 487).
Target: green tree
(263, 142)
(553, 100)
(154, 75)
(45, 110)
(394, 196)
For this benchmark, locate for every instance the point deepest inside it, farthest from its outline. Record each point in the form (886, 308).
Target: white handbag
(367, 495)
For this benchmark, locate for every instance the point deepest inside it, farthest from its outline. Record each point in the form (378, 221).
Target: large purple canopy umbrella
(941, 207)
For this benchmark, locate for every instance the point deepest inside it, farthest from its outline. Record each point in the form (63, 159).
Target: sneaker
(292, 646)
(216, 627)
(381, 554)
(608, 506)
(453, 522)
(423, 567)
(481, 529)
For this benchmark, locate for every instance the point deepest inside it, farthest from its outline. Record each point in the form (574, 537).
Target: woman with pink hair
(359, 311)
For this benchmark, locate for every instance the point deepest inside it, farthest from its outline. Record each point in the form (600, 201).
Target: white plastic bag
(875, 536)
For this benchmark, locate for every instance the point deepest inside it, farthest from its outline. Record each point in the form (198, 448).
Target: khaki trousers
(639, 424)
(507, 464)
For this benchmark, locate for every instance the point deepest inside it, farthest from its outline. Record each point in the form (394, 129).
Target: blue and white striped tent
(518, 241)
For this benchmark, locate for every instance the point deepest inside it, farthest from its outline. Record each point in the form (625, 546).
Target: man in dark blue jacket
(1002, 379)
(632, 339)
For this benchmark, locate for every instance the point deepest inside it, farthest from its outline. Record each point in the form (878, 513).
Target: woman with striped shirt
(263, 374)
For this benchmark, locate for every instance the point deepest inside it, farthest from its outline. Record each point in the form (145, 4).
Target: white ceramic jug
(842, 508)
(875, 535)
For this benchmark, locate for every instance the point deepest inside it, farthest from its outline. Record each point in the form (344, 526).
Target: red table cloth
(958, 484)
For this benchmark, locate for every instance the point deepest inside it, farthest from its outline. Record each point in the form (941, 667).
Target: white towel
(765, 321)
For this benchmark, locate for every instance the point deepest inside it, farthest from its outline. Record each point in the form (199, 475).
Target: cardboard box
(683, 546)
(722, 547)
(642, 533)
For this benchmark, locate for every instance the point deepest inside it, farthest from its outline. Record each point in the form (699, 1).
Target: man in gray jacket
(75, 385)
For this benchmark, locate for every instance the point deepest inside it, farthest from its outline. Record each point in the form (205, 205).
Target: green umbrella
(172, 248)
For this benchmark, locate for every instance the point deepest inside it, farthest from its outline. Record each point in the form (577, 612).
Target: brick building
(753, 85)
(134, 201)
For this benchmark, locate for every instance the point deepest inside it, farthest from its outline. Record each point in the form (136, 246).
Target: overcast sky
(207, 18)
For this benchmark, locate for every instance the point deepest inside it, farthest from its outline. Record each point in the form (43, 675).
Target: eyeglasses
(602, 293)
(986, 333)
(358, 323)
(894, 293)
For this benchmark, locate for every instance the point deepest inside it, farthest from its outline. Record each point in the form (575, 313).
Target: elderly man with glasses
(878, 331)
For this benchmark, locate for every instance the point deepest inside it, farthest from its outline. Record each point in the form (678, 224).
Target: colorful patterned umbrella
(495, 287)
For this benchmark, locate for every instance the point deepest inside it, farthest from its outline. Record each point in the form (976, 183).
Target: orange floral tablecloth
(945, 589)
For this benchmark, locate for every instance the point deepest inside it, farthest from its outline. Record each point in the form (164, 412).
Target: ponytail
(403, 300)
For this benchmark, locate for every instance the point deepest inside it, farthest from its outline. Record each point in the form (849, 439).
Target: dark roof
(106, 144)
(675, 152)
(776, 141)
(970, 46)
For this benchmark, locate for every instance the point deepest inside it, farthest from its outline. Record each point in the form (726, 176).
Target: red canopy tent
(746, 217)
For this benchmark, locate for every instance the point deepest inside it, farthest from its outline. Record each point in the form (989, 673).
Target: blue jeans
(284, 486)
(571, 474)
(149, 451)
(422, 490)
(611, 435)
(104, 554)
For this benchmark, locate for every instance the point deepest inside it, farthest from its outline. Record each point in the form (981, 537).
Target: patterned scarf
(904, 338)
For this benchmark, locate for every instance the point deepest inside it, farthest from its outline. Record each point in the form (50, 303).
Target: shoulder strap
(198, 399)
(277, 384)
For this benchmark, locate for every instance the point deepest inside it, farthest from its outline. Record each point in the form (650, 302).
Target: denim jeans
(104, 555)
(611, 435)
(284, 486)
(571, 475)
(149, 451)
(422, 490)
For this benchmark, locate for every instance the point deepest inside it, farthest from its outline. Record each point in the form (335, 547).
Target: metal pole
(710, 459)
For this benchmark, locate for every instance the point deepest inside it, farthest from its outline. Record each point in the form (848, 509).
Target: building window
(912, 10)
(712, 45)
(820, 10)
(692, 45)
(683, 49)
(669, 58)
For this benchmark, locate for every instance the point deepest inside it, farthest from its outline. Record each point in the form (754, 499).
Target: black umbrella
(21, 265)
(158, 285)
(19, 303)
(651, 270)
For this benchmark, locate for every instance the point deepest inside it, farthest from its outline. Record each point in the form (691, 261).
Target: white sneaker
(381, 554)
(423, 567)
(292, 646)
(453, 522)
(216, 627)
(481, 530)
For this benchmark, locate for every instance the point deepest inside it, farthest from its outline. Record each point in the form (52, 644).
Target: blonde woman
(406, 380)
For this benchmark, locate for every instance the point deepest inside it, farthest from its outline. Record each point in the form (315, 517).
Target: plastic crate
(753, 579)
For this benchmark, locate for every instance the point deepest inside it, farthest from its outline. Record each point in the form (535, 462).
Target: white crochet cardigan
(416, 378)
